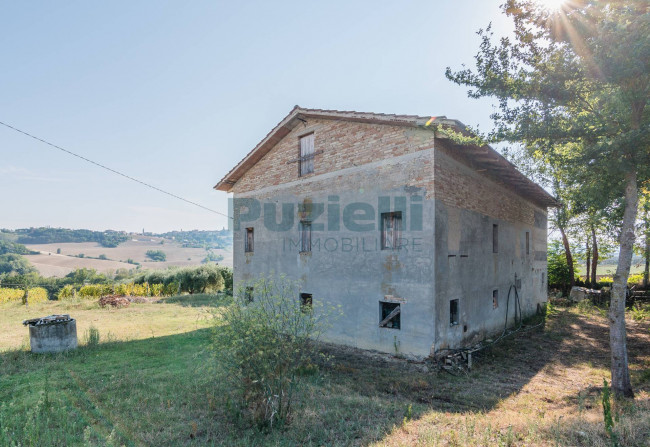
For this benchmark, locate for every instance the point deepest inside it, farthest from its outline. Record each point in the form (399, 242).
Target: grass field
(152, 382)
(608, 270)
(49, 263)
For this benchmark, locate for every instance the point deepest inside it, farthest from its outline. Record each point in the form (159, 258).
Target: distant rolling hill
(49, 263)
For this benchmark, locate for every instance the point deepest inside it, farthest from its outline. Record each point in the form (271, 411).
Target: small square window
(389, 315)
(306, 302)
(306, 163)
(453, 312)
(248, 294)
(527, 242)
(249, 242)
(495, 238)
(305, 236)
(495, 298)
(391, 230)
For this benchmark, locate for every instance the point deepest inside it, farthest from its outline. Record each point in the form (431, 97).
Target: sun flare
(552, 5)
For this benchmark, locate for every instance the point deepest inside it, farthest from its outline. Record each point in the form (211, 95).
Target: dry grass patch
(538, 388)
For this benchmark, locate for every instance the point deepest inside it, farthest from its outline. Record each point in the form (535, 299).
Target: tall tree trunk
(588, 252)
(569, 257)
(594, 257)
(617, 333)
(646, 271)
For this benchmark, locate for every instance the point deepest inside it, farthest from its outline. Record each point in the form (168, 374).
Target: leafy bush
(606, 281)
(207, 278)
(558, 269)
(170, 289)
(66, 293)
(156, 289)
(226, 272)
(7, 294)
(263, 345)
(36, 295)
(95, 290)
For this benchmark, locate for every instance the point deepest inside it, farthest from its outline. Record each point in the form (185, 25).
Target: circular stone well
(55, 333)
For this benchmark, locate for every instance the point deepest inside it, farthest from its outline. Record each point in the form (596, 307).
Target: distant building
(421, 240)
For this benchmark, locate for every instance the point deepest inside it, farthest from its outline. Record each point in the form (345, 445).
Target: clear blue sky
(176, 93)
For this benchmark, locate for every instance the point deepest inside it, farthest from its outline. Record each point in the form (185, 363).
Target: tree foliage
(156, 255)
(559, 274)
(47, 235)
(572, 86)
(14, 264)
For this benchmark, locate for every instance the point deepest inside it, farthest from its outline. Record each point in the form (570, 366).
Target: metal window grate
(305, 236)
(306, 164)
(391, 230)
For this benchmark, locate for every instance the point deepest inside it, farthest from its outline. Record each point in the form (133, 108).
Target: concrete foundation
(52, 338)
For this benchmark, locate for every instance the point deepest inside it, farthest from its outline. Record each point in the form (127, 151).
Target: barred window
(249, 241)
(391, 229)
(305, 236)
(306, 164)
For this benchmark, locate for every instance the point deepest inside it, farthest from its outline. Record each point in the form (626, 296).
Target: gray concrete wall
(466, 267)
(453, 258)
(52, 338)
(348, 268)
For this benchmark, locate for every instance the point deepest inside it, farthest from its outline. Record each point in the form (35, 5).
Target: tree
(156, 255)
(643, 248)
(14, 264)
(559, 272)
(572, 86)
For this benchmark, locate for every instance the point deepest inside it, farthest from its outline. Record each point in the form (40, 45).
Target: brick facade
(457, 184)
(344, 144)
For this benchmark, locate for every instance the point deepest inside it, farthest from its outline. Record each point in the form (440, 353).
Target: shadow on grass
(165, 390)
(198, 300)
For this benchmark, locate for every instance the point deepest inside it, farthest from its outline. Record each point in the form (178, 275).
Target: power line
(113, 170)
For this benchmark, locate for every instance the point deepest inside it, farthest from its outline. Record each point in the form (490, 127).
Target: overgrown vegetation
(264, 341)
(559, 274)
(33, 295)
(152, 380)
(88, 283)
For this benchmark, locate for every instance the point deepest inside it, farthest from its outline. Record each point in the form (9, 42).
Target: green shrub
(606, 281)
(156, 289)
(95, 290)
(226, 273)
(66, 293)
(263, 345)
(558, 269)
(170, 289)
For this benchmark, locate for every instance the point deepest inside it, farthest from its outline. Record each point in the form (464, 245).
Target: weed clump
(264, 343)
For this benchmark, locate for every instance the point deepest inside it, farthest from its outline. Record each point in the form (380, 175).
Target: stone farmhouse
(420, 238)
